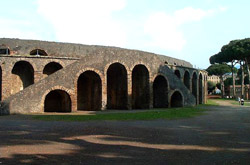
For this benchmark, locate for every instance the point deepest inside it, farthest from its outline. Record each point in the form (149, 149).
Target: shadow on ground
(222, 136)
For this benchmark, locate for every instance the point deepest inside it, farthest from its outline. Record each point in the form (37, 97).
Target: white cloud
(85, 21)
(11, 28)
(164, 28)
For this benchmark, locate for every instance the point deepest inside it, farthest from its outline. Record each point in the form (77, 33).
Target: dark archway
(57, 101)
(1, 82)
(187, 79)
(25, 74)
(117, 87)
(200, 89)
(89, 91)
(194, 85)
(51, 67)
(160, 92)
(176, 99)
(177, 73)
(4, 50)
(38, 52)
(140, 87)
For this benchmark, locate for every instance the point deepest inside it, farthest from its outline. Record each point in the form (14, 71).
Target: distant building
(215, 79)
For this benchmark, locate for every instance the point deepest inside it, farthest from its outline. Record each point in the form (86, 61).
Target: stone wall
(12, 84)
(100, 87)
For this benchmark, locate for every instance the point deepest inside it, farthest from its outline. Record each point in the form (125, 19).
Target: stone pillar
(129, 81)
(38, 75)
(74, 101)
(6, 83)
(151, 94)
(104, 93)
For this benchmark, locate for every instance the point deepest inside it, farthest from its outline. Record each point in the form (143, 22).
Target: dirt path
(221, 136)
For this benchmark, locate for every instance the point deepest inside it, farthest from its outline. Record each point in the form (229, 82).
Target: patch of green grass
(237, 103)
(211, 102)
(173, 113)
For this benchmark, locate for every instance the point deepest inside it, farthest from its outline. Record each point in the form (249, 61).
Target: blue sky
(190, 30)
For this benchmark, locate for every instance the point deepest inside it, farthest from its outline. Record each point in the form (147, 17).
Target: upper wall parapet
(56, 49)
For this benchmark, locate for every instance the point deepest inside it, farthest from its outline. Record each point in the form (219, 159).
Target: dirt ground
(221, 136)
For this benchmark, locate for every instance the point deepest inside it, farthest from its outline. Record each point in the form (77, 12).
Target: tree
(210, 86)
(219, 70)
(236, 51)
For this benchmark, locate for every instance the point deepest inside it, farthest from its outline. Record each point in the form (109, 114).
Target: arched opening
(51, 67)
(4, 50)
(176, 99)
(177, 73)
(140, 87)
(57, 101)
(160, 92)
(89, 91)
(194, 85)
(200, 89)
(38, 52)
(117, 87)
(1, 83)
(23, 75)
(187, 79)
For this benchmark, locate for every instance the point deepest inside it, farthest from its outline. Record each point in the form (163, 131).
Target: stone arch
(160, 92)
(1, 82)
(187, 79)
(51, 67)
(4, 50)
(200, 89)
(177, 73)
(89, 91)
(177, 99)
(24, 75)
(194, 85)
(117, 87)
(140, 87)
(57, 101)
(39, 52)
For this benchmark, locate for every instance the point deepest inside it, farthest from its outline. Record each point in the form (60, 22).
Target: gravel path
(221, 136)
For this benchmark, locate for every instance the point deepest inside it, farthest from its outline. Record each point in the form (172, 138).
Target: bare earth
(221, 136)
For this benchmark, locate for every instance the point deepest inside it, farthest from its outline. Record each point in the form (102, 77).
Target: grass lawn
(237, 103)
(170, 113)
(210, 102)
(231, 101)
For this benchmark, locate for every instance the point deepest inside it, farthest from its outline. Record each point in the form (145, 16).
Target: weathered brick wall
(55, 49)
(11, 82)
(31, 99)
(76, 59)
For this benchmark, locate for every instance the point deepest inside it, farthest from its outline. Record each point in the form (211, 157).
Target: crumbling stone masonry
(40, 77)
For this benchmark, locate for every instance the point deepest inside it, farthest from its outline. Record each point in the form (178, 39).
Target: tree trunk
(233, 79)
(242, 80)
(222, 87)
(248, 73)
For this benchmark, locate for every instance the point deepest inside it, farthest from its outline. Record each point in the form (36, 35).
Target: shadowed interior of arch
(4, 51)
(176, 99)
(177, 73)
(140, 87)
(23, 73)
(1, 83)
(200, 89)
(57, 101)
(51, 67)
(187, 79)
(194, 85)
(117, 87)
(160, 92)
(39, 52)
(89, 91)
